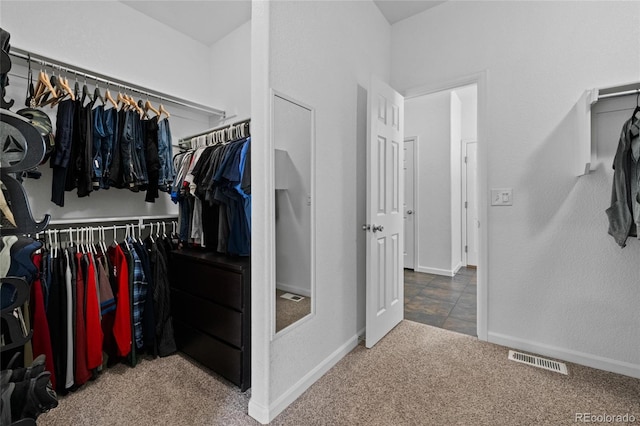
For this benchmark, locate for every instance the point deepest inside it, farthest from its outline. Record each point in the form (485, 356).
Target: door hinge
(466, 204)
(466, 249)
(465, 160)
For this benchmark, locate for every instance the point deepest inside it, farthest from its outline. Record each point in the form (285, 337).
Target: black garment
(57, 319)
(165, 342)
(116, 178)
(150, 131)
(71, 180)
(85, 156)
(61, 158)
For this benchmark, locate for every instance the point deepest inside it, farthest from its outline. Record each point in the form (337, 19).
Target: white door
(385, 279)
(472, 204)
(409, 201)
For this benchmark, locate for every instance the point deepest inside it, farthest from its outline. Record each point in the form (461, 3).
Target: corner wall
(557, 282)
(321, 54)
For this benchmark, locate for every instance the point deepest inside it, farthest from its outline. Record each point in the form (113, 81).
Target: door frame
(416, 222)
(480, 79)
(465, 229)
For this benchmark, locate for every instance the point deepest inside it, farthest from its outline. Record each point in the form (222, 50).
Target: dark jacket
(621, 223)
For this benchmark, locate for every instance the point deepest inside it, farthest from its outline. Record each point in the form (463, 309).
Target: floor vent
(536, 361)
(291, 296)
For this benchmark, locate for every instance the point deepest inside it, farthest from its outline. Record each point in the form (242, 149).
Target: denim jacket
(625, 196)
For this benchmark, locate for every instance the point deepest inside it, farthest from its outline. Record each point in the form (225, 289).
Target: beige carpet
(417, 375)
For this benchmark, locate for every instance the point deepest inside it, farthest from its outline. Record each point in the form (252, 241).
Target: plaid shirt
(139, 296)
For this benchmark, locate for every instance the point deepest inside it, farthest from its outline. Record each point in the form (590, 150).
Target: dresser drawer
(211, 318)
(211, 283)
(218, 356)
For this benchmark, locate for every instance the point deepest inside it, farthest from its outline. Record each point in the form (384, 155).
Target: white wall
(230, 76)
(557, 283)
(320, 53)
(429, 118)
(113, 39)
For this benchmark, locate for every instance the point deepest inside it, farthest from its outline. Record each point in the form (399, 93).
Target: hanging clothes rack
(139, 219)
(70, 69)
(185, 142)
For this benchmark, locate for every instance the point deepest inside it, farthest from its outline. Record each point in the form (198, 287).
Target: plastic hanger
(76, 87)
(97, 95)
(148, 107)
(85, 92)
(162, 110)
(30, 101)
(637, 110)
(44, 87)
(151, 233)
(109, 98)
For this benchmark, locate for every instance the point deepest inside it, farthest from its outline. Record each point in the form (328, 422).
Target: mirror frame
(273, 95)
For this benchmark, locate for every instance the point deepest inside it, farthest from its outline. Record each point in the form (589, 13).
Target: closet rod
(73, 230)
(206, 132)
(139, 219)
(109, 81)
(616, 91)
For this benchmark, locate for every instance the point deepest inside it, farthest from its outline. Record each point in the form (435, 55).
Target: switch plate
(502, 197)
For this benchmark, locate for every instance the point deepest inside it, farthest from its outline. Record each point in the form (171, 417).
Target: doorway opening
(440, 209)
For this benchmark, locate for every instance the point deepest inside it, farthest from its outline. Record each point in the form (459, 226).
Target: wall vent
(536, 361)
(293, 297)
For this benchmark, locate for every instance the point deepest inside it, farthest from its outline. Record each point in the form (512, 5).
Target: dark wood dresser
(211, 307)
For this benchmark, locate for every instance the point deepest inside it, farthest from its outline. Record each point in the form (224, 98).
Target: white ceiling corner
(397, 10)
(208, 21)
(203, 21)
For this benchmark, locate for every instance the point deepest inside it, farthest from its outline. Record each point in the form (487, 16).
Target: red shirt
(122, 325)
(41, 339)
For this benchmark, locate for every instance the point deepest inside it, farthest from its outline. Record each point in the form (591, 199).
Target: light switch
(502, 197)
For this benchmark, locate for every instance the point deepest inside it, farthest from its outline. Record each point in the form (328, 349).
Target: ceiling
(397, 10)
(209, 21)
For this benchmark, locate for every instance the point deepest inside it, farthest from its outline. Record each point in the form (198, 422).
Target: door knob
(409, 211)
(366, 227)
(377, 228)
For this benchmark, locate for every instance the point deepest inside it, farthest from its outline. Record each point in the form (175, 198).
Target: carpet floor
(416, 375)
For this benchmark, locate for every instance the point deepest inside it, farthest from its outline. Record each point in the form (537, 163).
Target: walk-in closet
(126, 176)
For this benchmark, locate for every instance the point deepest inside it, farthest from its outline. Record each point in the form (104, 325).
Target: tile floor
(445, 302)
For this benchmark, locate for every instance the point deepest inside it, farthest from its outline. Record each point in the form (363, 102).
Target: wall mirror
(293, 140)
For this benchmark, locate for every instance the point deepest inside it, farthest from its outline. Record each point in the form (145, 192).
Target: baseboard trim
(588, 360)
(310, 378)
(457, 268)
(435, 271)
(258, 412)
(293, 289)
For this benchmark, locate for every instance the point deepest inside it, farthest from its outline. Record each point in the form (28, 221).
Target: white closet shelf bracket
(586, 154)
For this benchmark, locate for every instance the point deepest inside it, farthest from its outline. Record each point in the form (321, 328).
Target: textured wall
(557, 282)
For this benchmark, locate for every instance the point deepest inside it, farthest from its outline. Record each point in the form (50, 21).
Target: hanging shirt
(122, 322)
(41, 339)
(68, 383)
